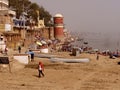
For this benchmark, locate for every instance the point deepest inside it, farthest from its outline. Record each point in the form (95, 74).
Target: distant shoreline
(100, 41)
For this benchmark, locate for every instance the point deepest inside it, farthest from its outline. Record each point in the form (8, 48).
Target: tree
(30, 8)
(45, 14)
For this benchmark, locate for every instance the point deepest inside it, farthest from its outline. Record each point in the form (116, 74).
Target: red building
(58, 27)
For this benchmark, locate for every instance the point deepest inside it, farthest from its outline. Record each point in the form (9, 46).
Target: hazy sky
(86, 15)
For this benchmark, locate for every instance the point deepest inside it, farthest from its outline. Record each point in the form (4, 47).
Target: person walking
(97, 58)
(41, 69)
(31, 55)
(19, 49)
(6, 50)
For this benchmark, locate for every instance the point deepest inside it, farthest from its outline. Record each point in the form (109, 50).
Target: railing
(20, 24)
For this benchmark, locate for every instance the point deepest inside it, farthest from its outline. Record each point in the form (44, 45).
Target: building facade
(17, 32)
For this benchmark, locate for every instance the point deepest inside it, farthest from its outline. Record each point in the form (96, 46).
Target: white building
(4, 4)
(6, 16)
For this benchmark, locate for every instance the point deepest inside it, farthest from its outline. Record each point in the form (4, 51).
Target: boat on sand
(69, 60)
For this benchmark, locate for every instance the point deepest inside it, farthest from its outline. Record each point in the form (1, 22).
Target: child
(40, 69)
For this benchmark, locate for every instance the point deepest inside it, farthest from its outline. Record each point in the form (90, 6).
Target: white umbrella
(43, 42)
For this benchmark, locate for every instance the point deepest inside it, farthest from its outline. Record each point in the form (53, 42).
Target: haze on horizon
(86, 15)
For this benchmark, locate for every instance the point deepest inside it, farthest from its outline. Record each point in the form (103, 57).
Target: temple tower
(58, 27)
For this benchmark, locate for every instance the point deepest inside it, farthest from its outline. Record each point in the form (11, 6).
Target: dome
(58, 15)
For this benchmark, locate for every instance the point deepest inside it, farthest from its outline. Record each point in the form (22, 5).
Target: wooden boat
(44, 55)
(68, 60)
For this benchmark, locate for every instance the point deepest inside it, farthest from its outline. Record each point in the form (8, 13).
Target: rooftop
(58, 15)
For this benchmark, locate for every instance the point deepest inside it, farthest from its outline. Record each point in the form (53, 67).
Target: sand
(102, 74)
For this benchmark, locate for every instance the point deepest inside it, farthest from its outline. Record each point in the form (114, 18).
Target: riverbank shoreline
(94, 75)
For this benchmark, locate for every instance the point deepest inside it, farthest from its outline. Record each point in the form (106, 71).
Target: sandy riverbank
(102, 74)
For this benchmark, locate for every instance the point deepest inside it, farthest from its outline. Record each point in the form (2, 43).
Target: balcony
(7, 12)
(4, 2)
(12, 12)
(17, 23)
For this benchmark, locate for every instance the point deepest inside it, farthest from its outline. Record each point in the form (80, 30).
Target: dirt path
(79, 84)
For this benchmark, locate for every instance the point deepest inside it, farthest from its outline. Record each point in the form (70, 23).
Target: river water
(102, 41)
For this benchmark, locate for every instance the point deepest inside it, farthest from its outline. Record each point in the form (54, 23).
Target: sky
(86, 15)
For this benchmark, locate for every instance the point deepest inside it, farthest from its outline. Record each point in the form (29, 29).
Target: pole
(37, 11)
(24, 31)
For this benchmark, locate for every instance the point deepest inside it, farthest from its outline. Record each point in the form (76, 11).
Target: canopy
(39, 43)
(43, 42)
